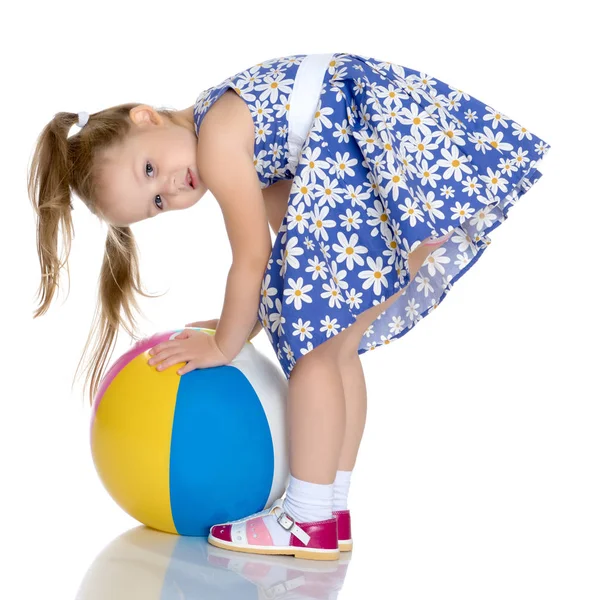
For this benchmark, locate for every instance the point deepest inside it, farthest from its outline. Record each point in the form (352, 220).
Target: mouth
(190, 180)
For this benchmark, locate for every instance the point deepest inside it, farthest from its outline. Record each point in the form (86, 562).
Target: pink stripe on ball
(140, 346)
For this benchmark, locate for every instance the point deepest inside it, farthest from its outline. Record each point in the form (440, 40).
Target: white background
(478, 472)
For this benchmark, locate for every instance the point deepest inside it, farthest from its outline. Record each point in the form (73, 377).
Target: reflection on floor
(144, 564)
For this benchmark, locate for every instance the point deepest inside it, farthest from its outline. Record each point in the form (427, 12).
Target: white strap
(238, 528)
(289, 524)
(304, 101)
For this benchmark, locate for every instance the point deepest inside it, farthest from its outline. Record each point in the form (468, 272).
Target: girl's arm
(238, 318)
(212, 324)
(226, 166)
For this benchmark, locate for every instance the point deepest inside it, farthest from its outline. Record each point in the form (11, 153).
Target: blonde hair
(61, 165)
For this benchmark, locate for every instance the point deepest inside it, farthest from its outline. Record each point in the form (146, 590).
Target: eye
(158, 195)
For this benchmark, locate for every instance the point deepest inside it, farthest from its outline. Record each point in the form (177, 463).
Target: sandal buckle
(286, 521)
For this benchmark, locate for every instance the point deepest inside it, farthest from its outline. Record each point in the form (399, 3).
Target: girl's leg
(316, 412)
(327, 406)
(355, 394)
(347, 342)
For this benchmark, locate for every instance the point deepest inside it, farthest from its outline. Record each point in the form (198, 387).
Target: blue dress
(392, 156)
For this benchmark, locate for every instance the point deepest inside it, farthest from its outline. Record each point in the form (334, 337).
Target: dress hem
(518, 189)
(527, 180)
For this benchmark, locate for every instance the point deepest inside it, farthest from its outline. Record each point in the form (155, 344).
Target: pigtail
(118, 283)
(49, 192)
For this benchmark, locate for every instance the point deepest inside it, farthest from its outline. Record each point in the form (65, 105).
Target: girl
(381, 185)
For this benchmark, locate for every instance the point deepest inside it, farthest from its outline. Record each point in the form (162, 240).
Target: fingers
(188, 367)
(167, 358)
(174, 360)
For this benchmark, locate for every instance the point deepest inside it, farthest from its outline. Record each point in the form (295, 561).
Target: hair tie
(83, 118)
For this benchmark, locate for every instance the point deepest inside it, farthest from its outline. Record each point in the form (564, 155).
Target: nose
(172, 185)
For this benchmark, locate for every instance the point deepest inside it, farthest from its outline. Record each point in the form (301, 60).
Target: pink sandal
(344, 530)
(316, 540)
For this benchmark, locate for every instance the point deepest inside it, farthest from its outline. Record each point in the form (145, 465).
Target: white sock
(341, 487)
(305, 502)
(308, 502)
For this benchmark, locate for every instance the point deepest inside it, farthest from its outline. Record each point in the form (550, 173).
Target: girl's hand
(198, 348)
(212, 324)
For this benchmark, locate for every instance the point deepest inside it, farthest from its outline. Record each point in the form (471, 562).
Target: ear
(144, 114)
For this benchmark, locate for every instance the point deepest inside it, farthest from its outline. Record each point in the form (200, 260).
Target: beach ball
(181, 453)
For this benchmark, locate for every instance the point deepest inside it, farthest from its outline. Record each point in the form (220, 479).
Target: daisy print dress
(382, 157)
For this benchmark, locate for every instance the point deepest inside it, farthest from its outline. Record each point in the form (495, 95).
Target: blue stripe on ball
(222, 459)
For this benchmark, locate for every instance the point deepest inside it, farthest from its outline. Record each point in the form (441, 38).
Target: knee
(314, 367)
(325, 353)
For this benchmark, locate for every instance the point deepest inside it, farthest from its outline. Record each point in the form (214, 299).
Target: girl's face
(148, 173)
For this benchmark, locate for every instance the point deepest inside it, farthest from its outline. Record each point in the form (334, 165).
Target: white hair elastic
(83, 118)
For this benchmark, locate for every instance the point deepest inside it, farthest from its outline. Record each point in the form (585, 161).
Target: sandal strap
(286, 521)
(289, 524)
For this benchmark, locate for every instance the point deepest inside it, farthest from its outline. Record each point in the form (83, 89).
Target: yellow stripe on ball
(132, 446)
